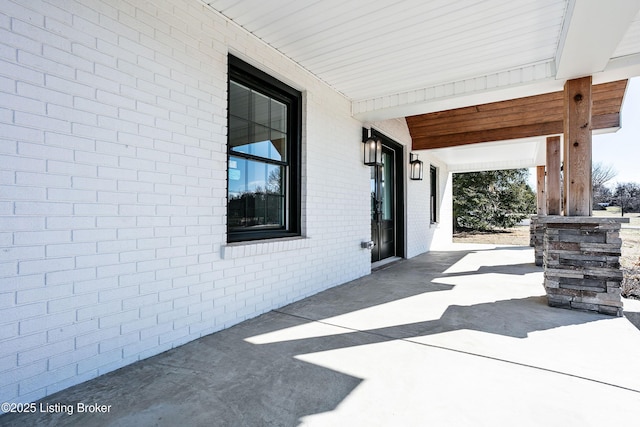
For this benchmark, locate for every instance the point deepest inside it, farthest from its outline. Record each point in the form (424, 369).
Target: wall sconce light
(372, 148)
(416, 166)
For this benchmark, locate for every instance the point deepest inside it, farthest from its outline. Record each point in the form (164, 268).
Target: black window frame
(261, 82)
(433, 194)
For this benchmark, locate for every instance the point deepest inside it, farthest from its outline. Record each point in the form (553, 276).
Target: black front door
(383, 206)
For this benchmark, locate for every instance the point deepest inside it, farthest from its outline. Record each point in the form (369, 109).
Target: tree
(627, 196)
(492, 199)
(600, 175)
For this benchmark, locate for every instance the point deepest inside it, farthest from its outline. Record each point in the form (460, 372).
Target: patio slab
(462, 337)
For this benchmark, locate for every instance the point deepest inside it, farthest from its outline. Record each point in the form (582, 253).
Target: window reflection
(256, 196)
(257, 124)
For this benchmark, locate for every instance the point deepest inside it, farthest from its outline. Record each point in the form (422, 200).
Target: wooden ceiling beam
(540, 115)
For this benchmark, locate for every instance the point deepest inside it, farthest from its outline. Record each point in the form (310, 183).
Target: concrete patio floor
(456, 338)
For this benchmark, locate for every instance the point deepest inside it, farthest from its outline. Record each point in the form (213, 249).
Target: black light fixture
(417, 169)
(372, 148)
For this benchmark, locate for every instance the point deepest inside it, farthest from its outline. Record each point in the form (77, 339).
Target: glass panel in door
(383, 207)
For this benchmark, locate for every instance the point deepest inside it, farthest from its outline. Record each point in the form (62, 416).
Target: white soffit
(630, 44)
(512, 154)
(592, 31)
(395, 58)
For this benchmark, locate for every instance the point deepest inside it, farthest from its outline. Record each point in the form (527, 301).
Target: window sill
(261, 247)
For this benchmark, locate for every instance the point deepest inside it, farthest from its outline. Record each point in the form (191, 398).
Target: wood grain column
(577, 146)
(554, 206)
(540, 188)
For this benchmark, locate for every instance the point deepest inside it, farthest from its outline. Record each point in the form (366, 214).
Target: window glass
(239, 100)
(387, 187)
(252, 130)
(260, 106)
(256, 196)
(433, 199)
(278, 115)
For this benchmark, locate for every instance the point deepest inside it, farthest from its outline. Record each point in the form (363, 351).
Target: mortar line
(409, 340)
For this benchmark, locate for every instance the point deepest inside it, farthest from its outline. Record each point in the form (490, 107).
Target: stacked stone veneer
(531, 231)
(582, 263)
(536, 238)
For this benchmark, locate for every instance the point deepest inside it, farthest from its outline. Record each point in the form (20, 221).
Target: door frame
(399, 190)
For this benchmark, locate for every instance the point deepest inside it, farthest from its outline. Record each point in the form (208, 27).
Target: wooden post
(542, 199)
(577, 146)
(553, 176)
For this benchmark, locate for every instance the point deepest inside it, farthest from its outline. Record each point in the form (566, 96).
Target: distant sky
(622, 149)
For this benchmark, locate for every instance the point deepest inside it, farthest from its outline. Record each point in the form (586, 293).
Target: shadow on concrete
(512, 269)
(633, 317)
(507, 317)
(224, 380)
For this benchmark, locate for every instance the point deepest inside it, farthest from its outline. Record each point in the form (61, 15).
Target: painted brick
(22, 133)
(77, 274)
(38, 179)
(8, 269)
(71, 222)
(63, 359)
(8, 147)
(11, 38)
(93, 235)
(7, 299)
(138, 278)
(92, 106)
(43, 208)
(121, 293)
(136, 233)
(115, 198)
(61, 55)
(17, 223)
(17, 313)
(142, 348)
(113, 73)
(94, 312)
(29, 371)
(23, 282)
(70, 168)
(40, 353)
(29, 326)
(19, 103)
(71, 195)
(94, 285)
(94, 184)
(7, 363)
(85, 261)
(71, 303)
(41, 237)
(118, 342)
(140, 301)
(116, 269)
(43, 294)
(86, 365)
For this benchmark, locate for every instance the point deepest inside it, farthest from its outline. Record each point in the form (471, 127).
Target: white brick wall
(113, 189)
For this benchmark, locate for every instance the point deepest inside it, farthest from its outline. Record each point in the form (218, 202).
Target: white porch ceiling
(406, 57)
(397, 58)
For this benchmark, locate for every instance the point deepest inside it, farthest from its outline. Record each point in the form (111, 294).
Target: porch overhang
(532, 116)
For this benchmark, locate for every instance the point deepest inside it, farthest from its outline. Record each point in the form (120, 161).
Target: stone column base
(536, 238)
(582, 263)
